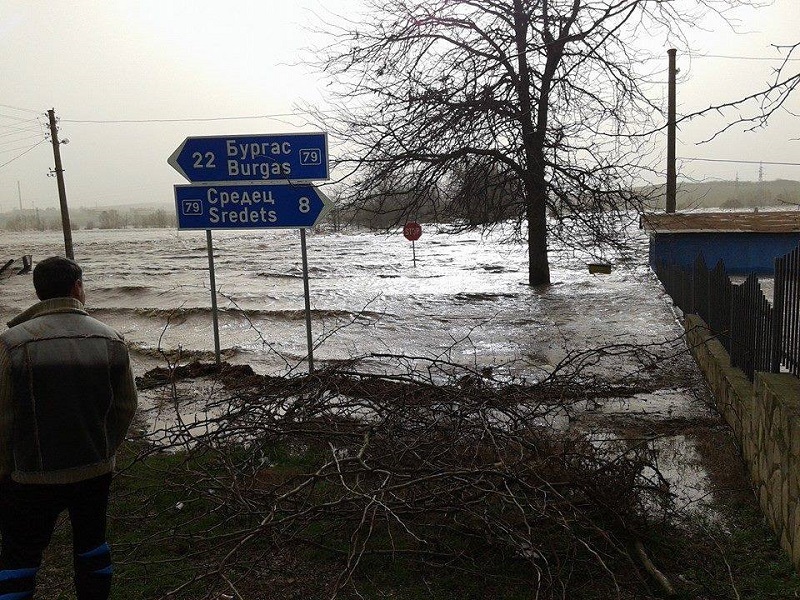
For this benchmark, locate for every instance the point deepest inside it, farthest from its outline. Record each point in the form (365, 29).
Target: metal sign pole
(224, 195)
(214, 317)
(308, 300)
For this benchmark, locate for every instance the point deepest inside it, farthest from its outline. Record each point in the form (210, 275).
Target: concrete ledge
(765, 418)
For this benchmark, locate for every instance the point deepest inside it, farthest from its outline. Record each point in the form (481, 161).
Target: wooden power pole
(62, 191)
(672, 174)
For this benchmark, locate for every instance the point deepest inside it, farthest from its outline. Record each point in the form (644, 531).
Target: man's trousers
(28, 515)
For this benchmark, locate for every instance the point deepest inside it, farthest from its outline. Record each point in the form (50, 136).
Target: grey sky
(116, 60)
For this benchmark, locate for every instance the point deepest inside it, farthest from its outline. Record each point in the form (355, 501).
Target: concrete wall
(765, 417)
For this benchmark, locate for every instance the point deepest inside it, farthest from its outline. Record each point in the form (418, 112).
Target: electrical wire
(20, 122)
(18, 130)
(23, 154)
(15, 118)
(22, 109)
(6, 151)
(745, 162)
(19, 134)
(732, 57)
(195, 120)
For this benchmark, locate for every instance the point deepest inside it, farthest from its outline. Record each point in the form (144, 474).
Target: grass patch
(158, 547)
(444, 491)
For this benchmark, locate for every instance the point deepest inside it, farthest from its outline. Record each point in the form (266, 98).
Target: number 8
(305, 204)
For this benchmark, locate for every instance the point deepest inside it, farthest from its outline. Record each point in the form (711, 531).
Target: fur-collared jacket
(67, 395)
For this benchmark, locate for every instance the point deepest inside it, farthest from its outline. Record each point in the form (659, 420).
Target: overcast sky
(166, 61)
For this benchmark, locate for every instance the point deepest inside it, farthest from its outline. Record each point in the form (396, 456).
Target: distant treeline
(484, 202)
(732, 194)
(472, 205)
(86, 218)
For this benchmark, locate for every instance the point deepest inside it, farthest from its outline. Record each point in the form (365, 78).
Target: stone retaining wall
(765, 417)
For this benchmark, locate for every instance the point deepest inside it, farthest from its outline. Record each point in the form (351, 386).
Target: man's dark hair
(54, 277)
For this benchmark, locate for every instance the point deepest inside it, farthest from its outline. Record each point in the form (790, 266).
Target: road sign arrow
(253, 158)
(262, 206)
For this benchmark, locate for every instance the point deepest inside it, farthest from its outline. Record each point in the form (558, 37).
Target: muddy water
(466, 298)
(465, 301)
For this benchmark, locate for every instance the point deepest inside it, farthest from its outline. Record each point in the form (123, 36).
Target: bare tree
(554, 95)
(756, 109)
(484, 194)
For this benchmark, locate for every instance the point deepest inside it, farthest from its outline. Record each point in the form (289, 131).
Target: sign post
(252, 182)
(213, 282)
(412, 232)
(307, 296)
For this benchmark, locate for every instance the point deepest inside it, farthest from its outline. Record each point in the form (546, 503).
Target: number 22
(198, 160)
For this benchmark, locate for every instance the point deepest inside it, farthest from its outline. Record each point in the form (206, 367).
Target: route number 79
(310, 156)
(192, 208)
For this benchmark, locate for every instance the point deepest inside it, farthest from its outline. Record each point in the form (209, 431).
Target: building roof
(723, 222)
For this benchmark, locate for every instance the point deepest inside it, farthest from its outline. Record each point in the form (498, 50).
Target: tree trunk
(535, 184)
(538, 264)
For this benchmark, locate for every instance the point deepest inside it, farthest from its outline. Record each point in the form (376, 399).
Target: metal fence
(759, 336)
(786, 349)
(750, 328)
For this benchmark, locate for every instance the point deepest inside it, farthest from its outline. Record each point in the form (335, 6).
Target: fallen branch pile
(444, 467)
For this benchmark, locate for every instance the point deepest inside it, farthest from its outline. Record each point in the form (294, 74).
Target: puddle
(172, 424)
(666, 403)
(678, 462)
(681, 464)
(203, 400)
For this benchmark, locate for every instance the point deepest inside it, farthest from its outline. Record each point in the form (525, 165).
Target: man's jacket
(67, 395)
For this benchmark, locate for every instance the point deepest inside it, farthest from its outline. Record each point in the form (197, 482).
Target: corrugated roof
(753, 222)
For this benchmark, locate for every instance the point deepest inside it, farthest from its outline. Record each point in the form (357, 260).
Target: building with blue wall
(746, 242)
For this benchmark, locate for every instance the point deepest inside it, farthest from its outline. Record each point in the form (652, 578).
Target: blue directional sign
(253, 158)
(263, 206)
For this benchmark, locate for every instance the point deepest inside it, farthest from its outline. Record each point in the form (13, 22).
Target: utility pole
(62, 192)
(19, 195)
(672, 174)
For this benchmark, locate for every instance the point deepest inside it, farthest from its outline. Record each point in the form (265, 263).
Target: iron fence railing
(720, 305)
(786, 346)
(759, 336)
(751, 328)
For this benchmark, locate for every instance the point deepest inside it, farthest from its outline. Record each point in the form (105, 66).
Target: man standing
(67, 398)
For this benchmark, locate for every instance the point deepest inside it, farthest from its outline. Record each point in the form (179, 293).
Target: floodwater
(465, 300)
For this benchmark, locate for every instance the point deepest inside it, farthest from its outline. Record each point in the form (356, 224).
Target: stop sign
(412, 231)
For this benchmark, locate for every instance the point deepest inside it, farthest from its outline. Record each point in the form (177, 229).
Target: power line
(19, 119)
(745, 162)
(733, 57)
(15, 130)
(23, 154)
(196, 120)
(18, 130)
(22, 109)
(13, 149)
(692, 55)
(15, 118)
(7, 150)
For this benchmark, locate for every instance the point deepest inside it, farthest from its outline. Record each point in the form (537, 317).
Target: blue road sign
(262, 206)
(253, 158)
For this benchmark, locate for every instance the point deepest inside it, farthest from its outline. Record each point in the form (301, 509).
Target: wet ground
(465, 301)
